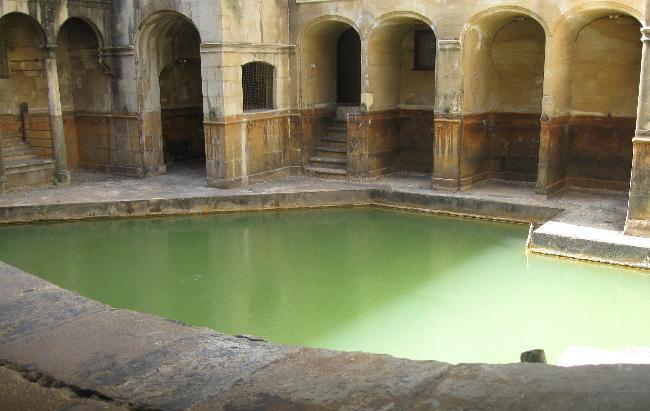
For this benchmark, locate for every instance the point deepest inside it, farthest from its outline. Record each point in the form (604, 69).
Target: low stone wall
(440, 203)
(58, 338)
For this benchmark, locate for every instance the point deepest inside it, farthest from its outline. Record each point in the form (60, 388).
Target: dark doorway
(181, 98)
(348, 74)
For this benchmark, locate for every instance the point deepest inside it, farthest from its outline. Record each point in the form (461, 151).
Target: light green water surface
(410, 285)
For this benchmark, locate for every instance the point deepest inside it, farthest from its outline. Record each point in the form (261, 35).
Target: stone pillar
(553, 139)
(62, 174)
(448, 116)
(638, 214)
(4, 182)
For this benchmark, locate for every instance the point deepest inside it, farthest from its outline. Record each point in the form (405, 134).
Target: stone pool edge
(577, 243)
(141, 361)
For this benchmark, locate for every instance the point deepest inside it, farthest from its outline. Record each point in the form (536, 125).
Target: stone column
(553, 139)
(62, 174)
(638, 214)
(4, 182)
(448, 116)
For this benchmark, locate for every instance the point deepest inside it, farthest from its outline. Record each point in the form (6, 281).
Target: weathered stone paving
(93, 356)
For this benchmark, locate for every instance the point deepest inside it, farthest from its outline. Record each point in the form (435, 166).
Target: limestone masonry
(549, 93)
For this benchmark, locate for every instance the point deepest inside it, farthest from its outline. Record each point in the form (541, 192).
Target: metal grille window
(77, 34)
(425, 50)
(257, 85)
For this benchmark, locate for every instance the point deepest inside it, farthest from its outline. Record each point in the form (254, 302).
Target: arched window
(257, 86)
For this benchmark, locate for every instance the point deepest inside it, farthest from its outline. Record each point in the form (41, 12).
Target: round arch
(30, 20)
(319, 57)
(98, 33)
(168, 53)
(504, 55)
(394, 76)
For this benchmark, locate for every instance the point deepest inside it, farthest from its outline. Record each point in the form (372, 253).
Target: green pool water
(406, 284)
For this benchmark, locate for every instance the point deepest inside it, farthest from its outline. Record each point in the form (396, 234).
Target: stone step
(332, 149)
(12, 141)
(29, 173)
(329, 160)
(20, 156)
(17, 148)
(16, 165)
(336, 173)
(338, 128)
(338, 138)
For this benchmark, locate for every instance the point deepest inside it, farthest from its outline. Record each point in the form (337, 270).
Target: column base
(637, 228)
(4, 185)
(445, 184)
(62, 178)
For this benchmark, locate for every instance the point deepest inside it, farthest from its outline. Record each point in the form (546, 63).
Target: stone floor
(189, 181)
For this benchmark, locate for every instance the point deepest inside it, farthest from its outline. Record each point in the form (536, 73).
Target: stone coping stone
(603, 245)
(140, 361)
(474, 206)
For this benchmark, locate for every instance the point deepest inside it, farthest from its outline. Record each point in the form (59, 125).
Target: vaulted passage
(330, 66)
(84, 85)
(330, 90)
(402, 83)
(504, 76)
(173, 99)
(25, 130)
(181, 99)
(606, 66)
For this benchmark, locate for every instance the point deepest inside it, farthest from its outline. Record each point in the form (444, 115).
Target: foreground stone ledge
(125, 358)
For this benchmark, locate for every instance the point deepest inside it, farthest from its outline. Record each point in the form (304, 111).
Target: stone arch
(168, 55)
(399, 91)
(503, 77)
(393, 81)
(23, 81)
(598, 45)
(318, 67)
(85, 90)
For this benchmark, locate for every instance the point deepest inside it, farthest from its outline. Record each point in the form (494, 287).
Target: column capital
(50, 50)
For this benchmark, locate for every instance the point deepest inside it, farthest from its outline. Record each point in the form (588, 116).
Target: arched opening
(330, 65)
(171, 85)
(330, 71)
(504, 76)
(85, 91)
(257, 86)
(348, 68)
(25, 130)
(605, 63)
(401, 90)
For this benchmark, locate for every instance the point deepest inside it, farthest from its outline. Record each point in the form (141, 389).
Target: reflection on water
(410, 285)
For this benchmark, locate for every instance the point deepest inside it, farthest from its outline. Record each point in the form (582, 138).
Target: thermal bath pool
(363, 279)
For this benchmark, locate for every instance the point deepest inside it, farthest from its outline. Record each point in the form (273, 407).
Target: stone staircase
(24, 168)
(330, 158)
